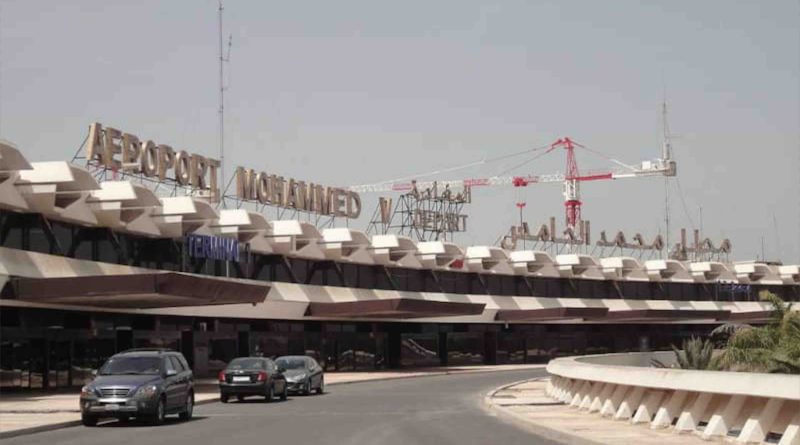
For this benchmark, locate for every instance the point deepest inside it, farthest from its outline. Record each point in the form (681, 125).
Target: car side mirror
(171, 372)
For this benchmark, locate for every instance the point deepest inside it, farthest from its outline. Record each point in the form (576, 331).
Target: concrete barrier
(739, 406)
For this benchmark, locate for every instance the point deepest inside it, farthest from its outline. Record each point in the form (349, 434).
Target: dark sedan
(303, 374)
(251, 376)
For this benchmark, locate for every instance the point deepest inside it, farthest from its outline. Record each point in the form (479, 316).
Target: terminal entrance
(50, 349)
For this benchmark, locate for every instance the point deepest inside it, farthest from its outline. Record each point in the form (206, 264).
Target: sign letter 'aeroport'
(111, 148)
(298, 195)
(212, 247)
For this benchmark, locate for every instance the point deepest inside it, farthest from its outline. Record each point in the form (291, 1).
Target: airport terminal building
(90, 267)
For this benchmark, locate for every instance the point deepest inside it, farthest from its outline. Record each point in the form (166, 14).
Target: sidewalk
(28, 413)
(527, 405)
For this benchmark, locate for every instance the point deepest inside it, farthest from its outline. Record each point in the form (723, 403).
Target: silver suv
(141, 383)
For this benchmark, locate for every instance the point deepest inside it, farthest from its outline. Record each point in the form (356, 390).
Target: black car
(141, 383)
(303, 374)
(251, 376)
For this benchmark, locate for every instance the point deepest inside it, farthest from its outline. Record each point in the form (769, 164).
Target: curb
(39, 429)
(71, 423)
(523, 422)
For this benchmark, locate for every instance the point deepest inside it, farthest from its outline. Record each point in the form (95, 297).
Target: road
(429, 410)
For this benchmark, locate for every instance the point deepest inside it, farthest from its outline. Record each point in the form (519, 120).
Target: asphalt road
(429, 410)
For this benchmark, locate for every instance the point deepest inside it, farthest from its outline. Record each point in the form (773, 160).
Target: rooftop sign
(113, 149)
(110, 148)
(297, 195)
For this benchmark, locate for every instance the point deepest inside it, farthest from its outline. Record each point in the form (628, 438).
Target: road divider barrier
(737, 406)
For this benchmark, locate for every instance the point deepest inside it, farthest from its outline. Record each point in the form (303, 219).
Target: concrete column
(791, 435)
(689, 418)
(565, 390)
(598, 401)
(629, 403)
(574, 387)
(721, 422)
(553, 386)
(757, 426)
(578, 397)
(587, 399)
(564, 385)
(646, 410)
(669, 410)
(611, 404)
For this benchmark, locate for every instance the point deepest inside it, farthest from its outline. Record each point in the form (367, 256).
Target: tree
(697, 353)
(722, 333)
(771, 348)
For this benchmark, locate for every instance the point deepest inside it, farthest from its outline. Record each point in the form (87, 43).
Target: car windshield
(246, 363)
(131, 365)
(291, 362)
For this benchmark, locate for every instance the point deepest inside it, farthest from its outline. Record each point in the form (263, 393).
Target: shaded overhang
(138, 291)
(649, 315)
(550, 314)
(749, 317)
(393, 308)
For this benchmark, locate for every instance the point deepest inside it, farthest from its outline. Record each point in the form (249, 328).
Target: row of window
(44, 348)
(36, 233)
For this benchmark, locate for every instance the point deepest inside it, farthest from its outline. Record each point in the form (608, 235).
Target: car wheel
(307, 388)
(223, 398)
(188, 409)
(89, 420)
(270, 394)
(161, 412)
(321, 387)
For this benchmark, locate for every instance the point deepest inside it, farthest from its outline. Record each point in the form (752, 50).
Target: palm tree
(771, 348)
(696, 354)
(722, 333)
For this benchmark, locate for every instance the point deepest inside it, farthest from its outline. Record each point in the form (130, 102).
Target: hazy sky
(354, 92)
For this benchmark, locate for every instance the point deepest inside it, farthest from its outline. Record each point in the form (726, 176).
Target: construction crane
(664, 166)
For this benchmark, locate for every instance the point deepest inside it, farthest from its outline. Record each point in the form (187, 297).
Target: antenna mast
(222, 60)
(666, 154)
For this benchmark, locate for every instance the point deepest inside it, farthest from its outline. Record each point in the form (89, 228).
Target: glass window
(38, 239)
(465, 348)
(222, 351)
(133, 365)
(106, 251)
(292, 362)
(246, 363)
(169, 365)
(419, 350)
(176, 364)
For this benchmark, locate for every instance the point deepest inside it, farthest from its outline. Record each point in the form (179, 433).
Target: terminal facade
(89, 268)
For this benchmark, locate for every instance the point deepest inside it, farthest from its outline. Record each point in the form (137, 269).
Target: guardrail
(746, 407)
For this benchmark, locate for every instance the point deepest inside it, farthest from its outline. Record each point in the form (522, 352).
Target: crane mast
(571, 179)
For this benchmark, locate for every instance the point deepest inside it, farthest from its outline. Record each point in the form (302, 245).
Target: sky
(355, 92)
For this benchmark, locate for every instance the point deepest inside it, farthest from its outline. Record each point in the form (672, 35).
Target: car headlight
(146, 392)
(87, 391)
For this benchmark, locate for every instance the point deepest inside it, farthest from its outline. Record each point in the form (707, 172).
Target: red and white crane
(664, 166)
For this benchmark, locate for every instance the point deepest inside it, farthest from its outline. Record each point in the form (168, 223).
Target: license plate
(241, 379)
(112, 407)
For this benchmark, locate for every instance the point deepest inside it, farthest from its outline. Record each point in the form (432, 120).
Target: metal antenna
(777, 238)
(222, 60)
(666, 153)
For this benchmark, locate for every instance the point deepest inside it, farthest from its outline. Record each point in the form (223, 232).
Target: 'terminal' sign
(212, 247)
